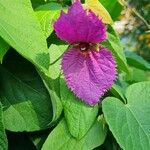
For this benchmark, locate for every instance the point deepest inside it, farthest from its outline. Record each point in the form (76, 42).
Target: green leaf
(27, 105)
(52, 80)
(136, 61)
(55, 53)
(79, 116)
(47, 14)
(3, 49)
(3, 138)
(23, 31)
(113, 7)
(114, 45)
(60, 138)
(130, 123)
(136, 75)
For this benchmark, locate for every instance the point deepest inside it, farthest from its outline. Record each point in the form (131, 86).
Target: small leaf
(79, 116)
(47, 14)
(99, 10)
(3, 138)
(60, 138)
(130, 123)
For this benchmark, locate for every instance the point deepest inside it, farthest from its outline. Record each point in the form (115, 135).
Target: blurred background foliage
(134, 27)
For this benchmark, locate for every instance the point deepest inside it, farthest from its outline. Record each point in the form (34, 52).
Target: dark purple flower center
(84, 47)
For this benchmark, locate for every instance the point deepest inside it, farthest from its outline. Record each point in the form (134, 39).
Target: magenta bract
(89, 70)
(78, 26)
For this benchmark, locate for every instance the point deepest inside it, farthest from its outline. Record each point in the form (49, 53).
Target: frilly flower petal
(78, 25)
(89, 76)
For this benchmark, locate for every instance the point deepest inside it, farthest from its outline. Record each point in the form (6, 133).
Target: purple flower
(88, 68)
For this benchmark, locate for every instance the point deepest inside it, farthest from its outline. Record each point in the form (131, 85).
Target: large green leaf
(47, 14)
(27, 105)
(60, 138)
(55, 53)
(20, 28)
(52, 80)
(79, 116)
(137, 61)
(3, 48)
(3, 139)
(113, 7)
(113, 44)
(130, 123)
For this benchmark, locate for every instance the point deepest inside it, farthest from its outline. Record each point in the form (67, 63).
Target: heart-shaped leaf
(130, 123)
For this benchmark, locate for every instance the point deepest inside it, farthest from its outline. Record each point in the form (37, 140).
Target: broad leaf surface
(60, 138)
(27, 105)
(130, 123)
(47, 14)
(20, 28)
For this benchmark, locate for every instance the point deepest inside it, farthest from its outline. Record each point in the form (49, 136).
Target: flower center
(84, 47)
